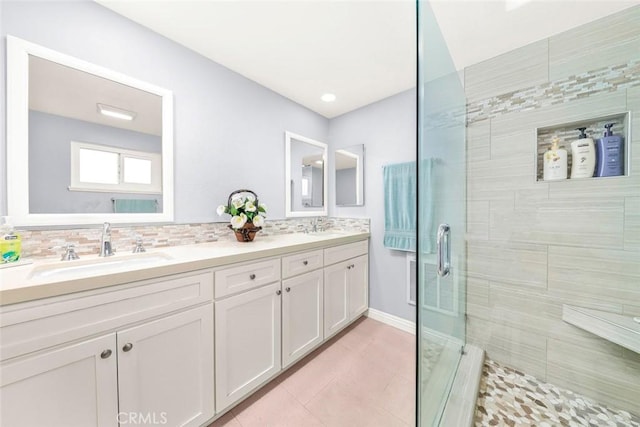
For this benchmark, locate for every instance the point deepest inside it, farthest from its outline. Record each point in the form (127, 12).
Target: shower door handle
(444, 250)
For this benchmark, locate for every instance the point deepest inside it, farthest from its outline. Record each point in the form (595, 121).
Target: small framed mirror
(349, 178)
(305, 176)
(85, 144)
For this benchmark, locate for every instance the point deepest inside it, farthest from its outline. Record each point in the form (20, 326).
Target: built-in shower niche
(567, 133)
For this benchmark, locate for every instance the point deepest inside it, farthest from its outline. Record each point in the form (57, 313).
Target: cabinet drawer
(293, 265)
(350, 250)
(247, 276)
(48, 322)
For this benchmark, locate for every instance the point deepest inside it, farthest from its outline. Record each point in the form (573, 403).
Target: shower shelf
(617, 328)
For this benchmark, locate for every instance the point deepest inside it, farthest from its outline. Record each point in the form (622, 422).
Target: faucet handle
(69, 252)
(139, 248)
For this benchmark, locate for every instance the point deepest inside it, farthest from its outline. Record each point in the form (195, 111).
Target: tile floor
(365, 376)
(508, 398)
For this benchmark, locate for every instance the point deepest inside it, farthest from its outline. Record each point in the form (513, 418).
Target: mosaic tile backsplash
(47, 243)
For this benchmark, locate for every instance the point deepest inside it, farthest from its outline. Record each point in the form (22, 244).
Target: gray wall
(534, 246)
(346, 186)
(388, 130)
(50, 163)
(224, 123)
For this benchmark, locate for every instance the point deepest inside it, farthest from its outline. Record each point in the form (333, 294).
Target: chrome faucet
(105, 241)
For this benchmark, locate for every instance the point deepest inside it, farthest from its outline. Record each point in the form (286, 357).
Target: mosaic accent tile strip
(606, 79)
(509, 397)
(38, 243)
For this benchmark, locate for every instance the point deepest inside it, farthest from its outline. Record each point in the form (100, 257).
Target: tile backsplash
(46, 243)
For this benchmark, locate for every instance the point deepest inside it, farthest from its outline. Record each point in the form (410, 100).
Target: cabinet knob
(127, 347)
(305, 262)
(278, 292)
(288, 289)
(252, 276)
(105, 354)
(348, 267)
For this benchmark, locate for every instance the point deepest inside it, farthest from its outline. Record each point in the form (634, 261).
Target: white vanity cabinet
(247, 342)
(346, 285)
(69, 386)
(302, 315)
(152, 364)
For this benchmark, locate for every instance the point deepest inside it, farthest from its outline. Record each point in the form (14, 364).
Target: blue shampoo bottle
(609, 154)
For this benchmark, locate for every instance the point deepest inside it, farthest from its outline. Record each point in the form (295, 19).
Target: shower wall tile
(478, 140)
(632, 223)
(622, 186)
(560, 222)
(509, 345)
(611, 40)
(518, 263)
(478, 298)
(478, 220)
(610, 275)
(506, 146)
(534, 246)
(508, 72)
(497, 179)
(609, 379)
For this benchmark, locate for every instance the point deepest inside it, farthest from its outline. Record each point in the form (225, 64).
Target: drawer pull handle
(305, 262)
(252, 276)
(288, 289)
(278, 292)
(105, 354)
(127, 347)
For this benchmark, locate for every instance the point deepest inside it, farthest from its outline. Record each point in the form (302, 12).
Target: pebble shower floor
(510, 398)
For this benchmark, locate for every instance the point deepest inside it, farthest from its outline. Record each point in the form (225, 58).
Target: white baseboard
(391, 320)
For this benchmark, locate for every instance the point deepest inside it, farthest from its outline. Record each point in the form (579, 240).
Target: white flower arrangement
(243, 210)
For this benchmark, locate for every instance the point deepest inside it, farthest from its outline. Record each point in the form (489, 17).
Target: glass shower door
(441, 257)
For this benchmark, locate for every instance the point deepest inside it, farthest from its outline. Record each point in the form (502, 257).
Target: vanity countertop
(47, 278)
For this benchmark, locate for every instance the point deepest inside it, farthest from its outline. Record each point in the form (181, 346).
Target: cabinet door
(336, 313)
(165, 370)
(358, 286)
(247, 342)
(302, 325)
(69, 386)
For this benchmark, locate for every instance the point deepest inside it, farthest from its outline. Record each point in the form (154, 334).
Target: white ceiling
(360, 50)
(68, 92)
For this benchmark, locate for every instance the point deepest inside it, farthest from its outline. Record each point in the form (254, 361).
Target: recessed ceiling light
(514, 4)
(328, 97)
(319, 162)
(115, 112)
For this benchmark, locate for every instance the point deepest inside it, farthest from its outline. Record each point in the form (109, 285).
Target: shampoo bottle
(10, 244)
(584, 156)
(609, 154)
(555, 162)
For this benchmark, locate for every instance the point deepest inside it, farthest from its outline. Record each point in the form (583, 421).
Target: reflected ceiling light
(328, 97)
(319, 162)
(115, 112)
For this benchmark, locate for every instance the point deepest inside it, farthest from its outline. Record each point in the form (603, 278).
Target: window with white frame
(112, 169)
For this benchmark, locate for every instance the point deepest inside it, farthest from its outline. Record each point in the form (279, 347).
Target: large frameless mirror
(84, 144)
(349, 177)
(306, 176)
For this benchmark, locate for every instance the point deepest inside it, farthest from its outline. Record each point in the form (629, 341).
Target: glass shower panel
(441, 221)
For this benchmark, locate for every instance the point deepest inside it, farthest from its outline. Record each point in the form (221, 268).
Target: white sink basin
(96, 265)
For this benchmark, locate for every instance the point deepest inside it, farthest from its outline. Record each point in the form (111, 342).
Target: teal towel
(135, 205)
(400, 199)
(400, 192)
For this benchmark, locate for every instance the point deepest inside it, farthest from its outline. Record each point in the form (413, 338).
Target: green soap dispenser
(10, 243)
